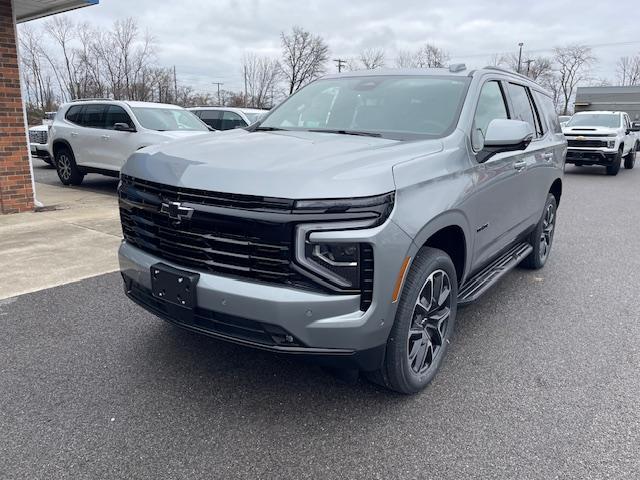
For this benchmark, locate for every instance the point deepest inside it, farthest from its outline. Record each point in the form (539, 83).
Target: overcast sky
(205, 39)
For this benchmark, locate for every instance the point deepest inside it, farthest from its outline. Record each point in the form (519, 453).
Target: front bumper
(330, 328)
(591, 156)
(39, 150)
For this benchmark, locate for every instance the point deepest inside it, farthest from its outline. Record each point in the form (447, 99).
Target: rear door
(91, 146)
(539, 154)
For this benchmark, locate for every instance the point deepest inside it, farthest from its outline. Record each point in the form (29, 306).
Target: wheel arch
(556, 190)
(60, 143)
(449, 233)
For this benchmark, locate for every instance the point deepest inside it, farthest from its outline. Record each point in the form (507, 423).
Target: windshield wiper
(270, 129)
(347, 132)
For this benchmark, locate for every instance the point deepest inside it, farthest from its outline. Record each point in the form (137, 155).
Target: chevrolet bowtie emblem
(581, 138)
(176, 211)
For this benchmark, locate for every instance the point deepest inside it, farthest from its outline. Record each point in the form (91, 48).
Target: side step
(474, 287)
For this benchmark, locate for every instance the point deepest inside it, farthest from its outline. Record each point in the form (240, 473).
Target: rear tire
(630, 159)
(614, 168)
(68, 171)
(423, 327)
(541, 239)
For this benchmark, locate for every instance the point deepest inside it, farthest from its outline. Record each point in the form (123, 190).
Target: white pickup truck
(602, 138)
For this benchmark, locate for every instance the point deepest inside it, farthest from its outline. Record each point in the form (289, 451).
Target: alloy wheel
(548, 225)
(64, 166)
(429, 322)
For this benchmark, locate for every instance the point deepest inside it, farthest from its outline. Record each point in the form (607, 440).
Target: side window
(547, 110)
(116, 114)
(93, 116)
(627, 124)
(213, 118)
(522, 107)
(491, 105)
(231, 120)
(74, 114)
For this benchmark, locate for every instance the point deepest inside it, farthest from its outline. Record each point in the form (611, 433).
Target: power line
(542, 50)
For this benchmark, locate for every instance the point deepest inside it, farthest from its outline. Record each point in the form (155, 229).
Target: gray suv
(351, 222)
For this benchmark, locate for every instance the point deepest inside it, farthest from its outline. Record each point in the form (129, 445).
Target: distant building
(621, 99)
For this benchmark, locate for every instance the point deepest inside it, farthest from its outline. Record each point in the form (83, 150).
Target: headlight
(338, 262)
(611, 144)
(332, 263)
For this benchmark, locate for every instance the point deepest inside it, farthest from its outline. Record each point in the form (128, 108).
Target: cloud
(205, 39)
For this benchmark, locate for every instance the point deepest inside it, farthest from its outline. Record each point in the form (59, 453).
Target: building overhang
(26, 10)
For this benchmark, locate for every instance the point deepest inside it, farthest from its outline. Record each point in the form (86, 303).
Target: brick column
(16, 192)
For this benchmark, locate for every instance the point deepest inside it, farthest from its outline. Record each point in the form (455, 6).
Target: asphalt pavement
(541, 382)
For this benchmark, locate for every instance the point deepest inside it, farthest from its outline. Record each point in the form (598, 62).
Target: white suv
(97, 136)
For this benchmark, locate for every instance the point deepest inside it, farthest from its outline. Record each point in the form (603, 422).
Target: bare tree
(261, 76)
(405, 59)
(428, 56)
(304, 57)
(573, 64)
(628, 70)
(372, 58)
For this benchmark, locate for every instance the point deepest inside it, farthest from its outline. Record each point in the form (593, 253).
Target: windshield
(396, 107)
(163, 119)
(253, 117)
(607, 120)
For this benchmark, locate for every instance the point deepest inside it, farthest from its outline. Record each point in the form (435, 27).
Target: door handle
(105, 137)
(74, 134)
(521, 165)
(548, 156)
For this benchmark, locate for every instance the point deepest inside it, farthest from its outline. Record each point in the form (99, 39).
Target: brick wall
(16, 194)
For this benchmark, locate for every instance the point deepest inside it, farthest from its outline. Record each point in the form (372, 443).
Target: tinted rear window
(74, 114)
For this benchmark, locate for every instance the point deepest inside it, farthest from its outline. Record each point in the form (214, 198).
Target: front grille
(587, 143)
(38, 136)
(210, 242)
(234, 235)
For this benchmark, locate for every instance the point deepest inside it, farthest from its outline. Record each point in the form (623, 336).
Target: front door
(497, 202)
(119, 145)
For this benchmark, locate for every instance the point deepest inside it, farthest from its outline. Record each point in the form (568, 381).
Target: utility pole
(218, 84)
(520, 56)
(244, 70)
(340, 63)
(175, 85)
(528, 62)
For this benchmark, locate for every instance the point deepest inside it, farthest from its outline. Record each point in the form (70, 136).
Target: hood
(587, 131)
(297, 165)
(178, 134)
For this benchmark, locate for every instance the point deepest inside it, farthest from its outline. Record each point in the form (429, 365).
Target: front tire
(614, 168)
(541, 239)
(630, 159)
(423, 325)
(68, 171)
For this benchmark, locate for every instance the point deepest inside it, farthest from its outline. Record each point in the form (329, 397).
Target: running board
(488, 276)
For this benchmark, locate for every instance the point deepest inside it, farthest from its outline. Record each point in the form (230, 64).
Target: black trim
(101, 171)
(250, 333)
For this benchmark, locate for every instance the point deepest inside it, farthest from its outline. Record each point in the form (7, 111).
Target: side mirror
(505, 136)
(123, 127)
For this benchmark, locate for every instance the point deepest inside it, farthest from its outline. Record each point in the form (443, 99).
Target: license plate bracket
(174, 285)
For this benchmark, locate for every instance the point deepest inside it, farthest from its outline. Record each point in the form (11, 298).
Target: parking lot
(541, 380)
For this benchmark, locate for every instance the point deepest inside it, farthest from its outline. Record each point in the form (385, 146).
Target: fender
(451, 218)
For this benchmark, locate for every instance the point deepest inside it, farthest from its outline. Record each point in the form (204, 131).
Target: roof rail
(89, 99)
(505, 70)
